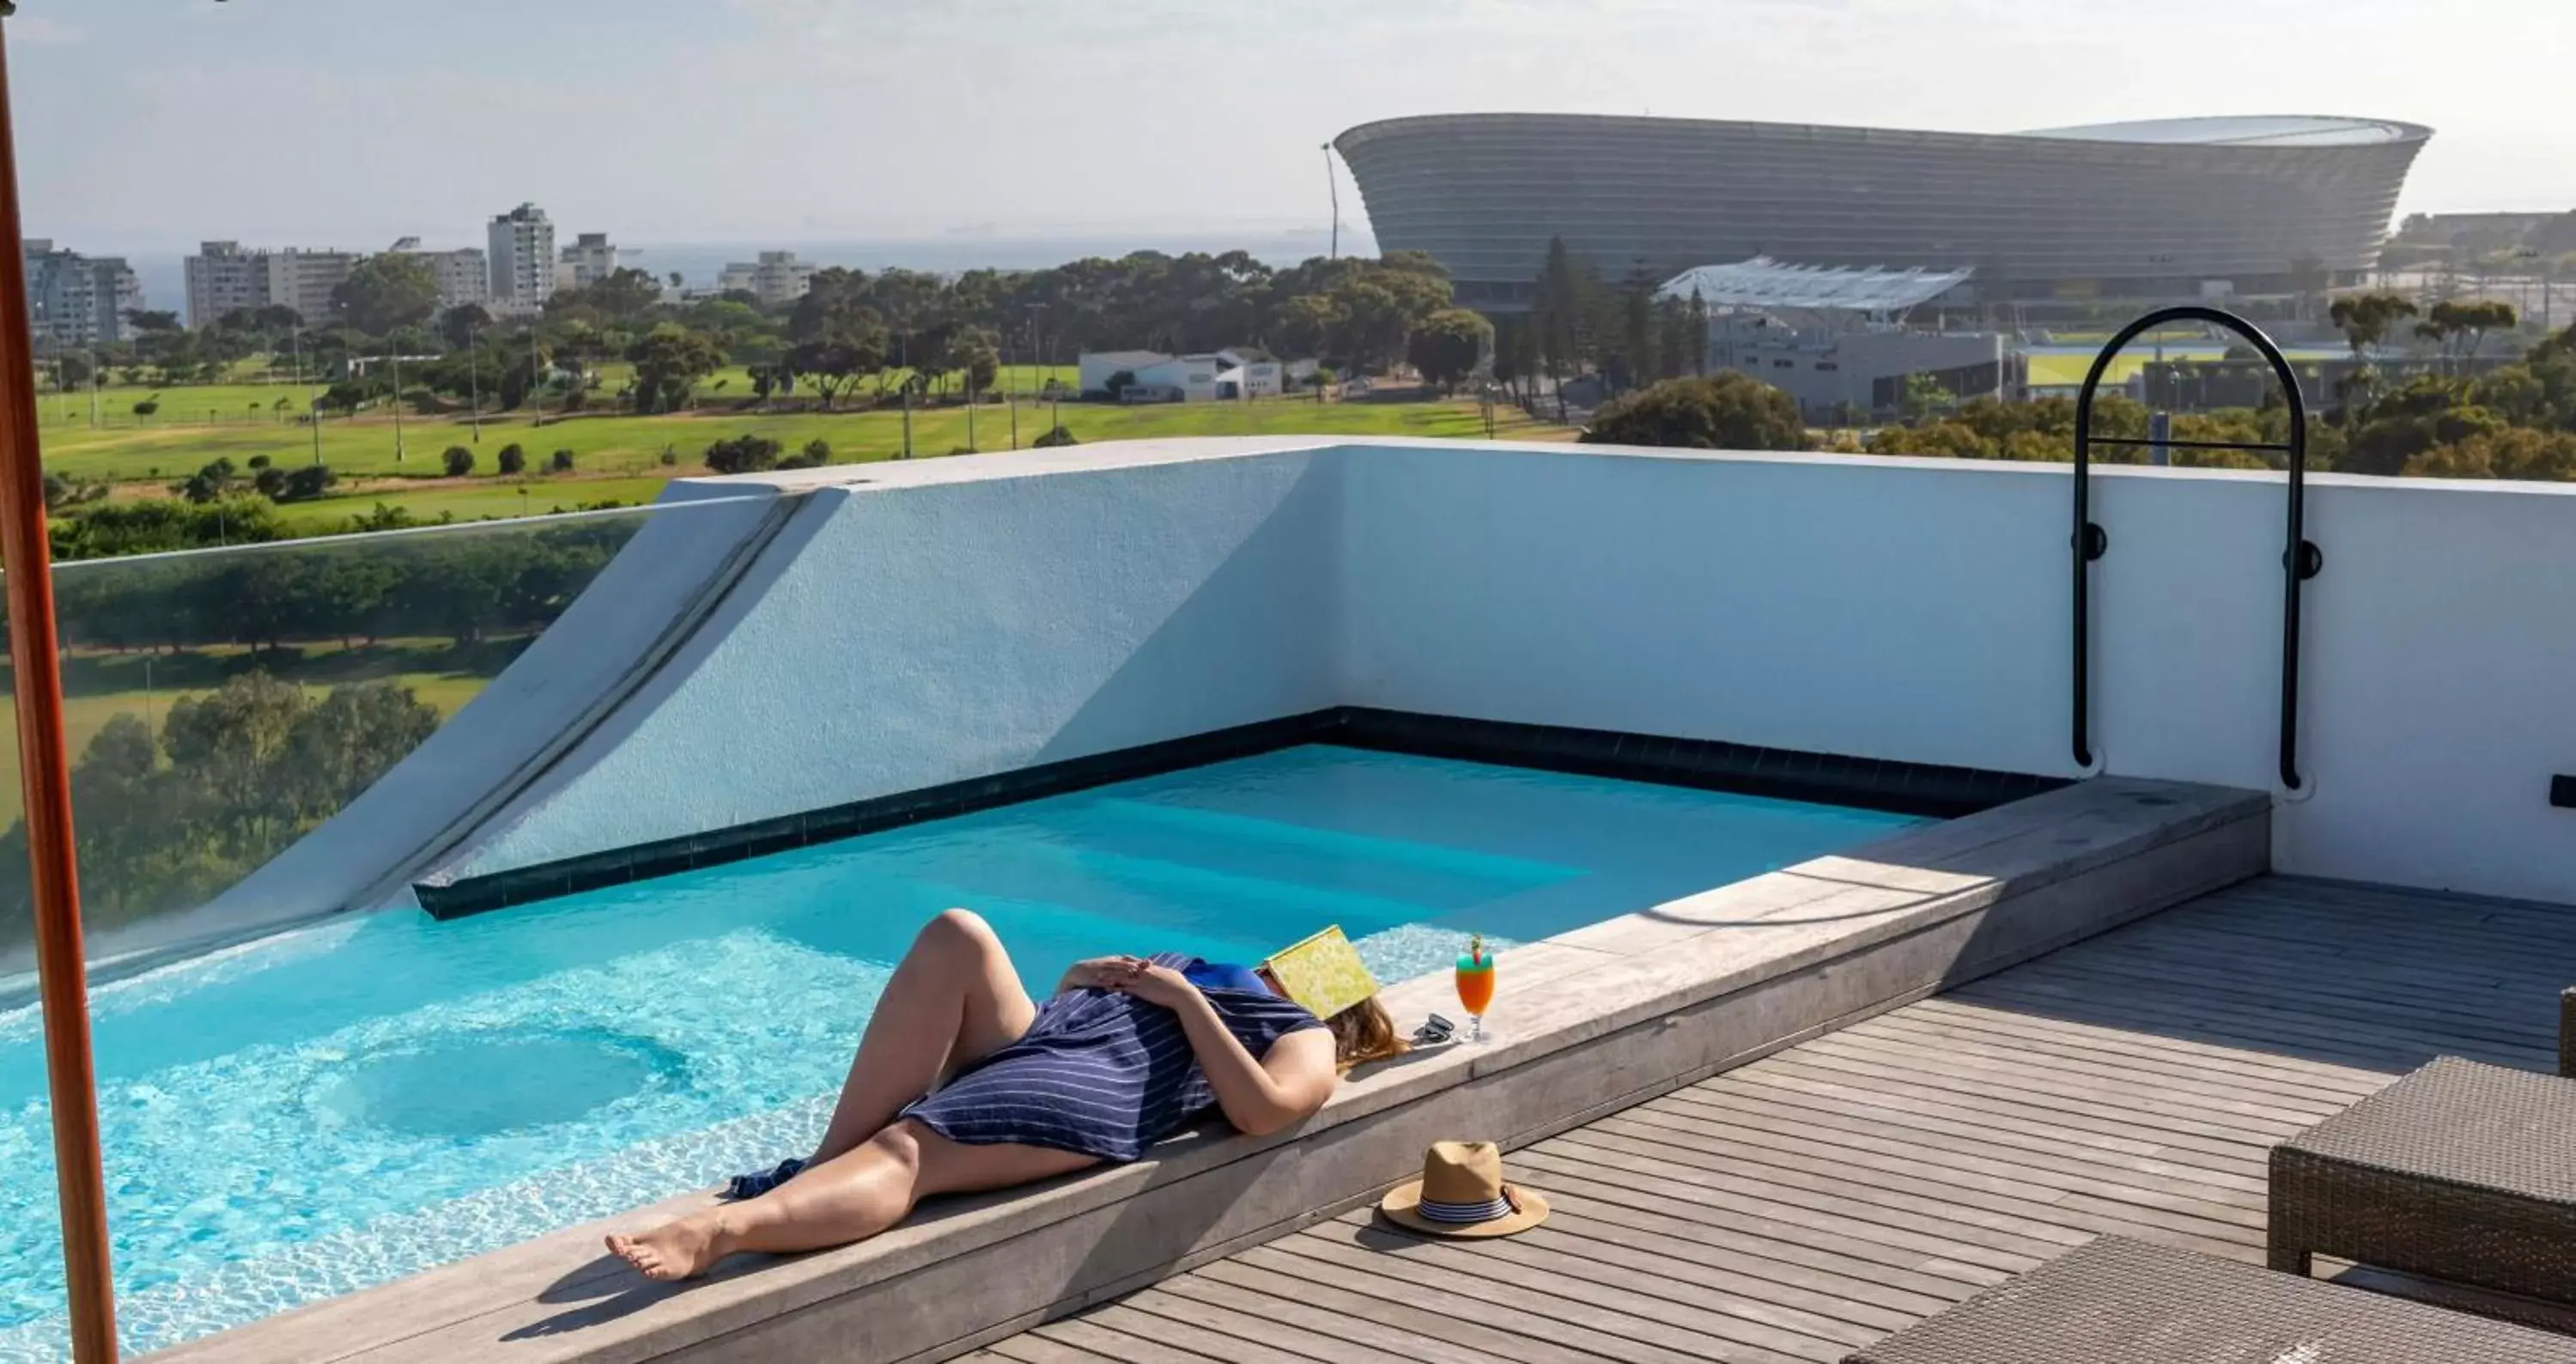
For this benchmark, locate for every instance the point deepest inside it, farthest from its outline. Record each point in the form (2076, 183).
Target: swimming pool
(343, 1105)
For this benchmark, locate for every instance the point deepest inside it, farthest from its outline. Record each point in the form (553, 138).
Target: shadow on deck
(1810, 1203)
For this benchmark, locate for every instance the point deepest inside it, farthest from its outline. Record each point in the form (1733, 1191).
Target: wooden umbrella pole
(45, 773)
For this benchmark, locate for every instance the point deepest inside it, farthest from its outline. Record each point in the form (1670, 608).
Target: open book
(1323, 974)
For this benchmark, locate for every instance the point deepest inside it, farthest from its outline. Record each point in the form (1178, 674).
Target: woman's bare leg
(953, 999)
(851, 1198)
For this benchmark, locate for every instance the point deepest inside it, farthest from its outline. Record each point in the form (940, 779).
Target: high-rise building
(523, 257)
(222, 277)
(77, 300)
(464, 275)
(777, 277)
(590, 259)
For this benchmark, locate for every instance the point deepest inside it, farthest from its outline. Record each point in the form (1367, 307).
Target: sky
(148, 125)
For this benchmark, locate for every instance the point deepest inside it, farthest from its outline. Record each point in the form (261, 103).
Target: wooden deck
(1812, 1202)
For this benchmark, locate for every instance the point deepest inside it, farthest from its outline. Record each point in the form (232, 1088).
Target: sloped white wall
(966, 617)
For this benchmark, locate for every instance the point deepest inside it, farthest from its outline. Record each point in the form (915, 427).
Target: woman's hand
(1158, 985)
(1096, 973)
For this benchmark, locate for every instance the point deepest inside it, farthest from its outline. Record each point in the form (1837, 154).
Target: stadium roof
(2248, 130)
(1766, 283)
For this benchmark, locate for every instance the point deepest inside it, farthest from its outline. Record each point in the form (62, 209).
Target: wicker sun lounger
(2460, 1171)
(2117, 1301)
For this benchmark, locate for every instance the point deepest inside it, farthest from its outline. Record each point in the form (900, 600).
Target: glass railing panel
(225, 709)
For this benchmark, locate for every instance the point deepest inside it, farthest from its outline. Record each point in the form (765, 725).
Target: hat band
(1462, 1214)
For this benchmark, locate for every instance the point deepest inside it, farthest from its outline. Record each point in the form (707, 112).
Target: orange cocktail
(1476, 985)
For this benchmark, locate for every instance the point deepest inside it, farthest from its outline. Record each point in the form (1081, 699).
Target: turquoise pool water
(342, 1105)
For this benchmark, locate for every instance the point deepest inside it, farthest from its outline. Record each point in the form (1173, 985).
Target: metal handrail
(2300, 560)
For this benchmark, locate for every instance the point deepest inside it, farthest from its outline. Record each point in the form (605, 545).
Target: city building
(1834, 338)
(1212, 376)
(464, 275)
(590, 259)
(523, 258)
(77, 300)
(2136, 212)
(222, 276)
(777, 277)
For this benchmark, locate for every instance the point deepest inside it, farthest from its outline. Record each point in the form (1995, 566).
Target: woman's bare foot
(683, 1249)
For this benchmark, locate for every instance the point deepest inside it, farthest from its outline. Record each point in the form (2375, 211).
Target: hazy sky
(149, 124)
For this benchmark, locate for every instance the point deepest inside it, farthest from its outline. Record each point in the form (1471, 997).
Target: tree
(460, 325)
(831, 363)
(147, 407)
(1559, 311)
(743, 455)
(211, 483)
(458, 460)
(306, 482)
(2364, 319)
(1925, 398)
(669, 361)
(513, 460)
(147, 320)
(626, 295)
(1055, 437)
(384, 292)
(974, 353)
(1116, 385)
(561, 463)
(72, 371)
(1447, 346)
(1728, 411)
(2460, 328)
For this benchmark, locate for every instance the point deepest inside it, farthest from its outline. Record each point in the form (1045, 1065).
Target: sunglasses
(1434, 1031)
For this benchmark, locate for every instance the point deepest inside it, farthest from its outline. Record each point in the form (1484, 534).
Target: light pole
(1333, 187)
(398, 431)
(312, 410)
(474, 375)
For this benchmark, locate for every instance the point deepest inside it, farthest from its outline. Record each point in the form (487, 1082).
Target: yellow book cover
(1323, 975)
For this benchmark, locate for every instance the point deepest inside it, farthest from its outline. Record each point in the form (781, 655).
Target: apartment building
(76, 300)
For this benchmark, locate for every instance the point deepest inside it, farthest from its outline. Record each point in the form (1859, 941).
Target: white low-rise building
(1207, 376)
(464, 275)
(777, 277)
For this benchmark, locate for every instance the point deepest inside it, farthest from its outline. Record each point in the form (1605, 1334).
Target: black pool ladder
(2300, 560)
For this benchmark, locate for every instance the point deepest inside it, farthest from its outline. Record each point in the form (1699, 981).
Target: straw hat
(1462, 1193)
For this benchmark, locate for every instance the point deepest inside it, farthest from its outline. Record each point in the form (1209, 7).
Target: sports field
(626, 459)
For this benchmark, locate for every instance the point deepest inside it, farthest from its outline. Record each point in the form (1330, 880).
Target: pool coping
(1591, 1020)
(1743, 769)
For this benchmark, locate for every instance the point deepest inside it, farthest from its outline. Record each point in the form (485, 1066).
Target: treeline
(930, 334)
(2513, 421)
(167, 821)
(463, 586)
(1580, 321)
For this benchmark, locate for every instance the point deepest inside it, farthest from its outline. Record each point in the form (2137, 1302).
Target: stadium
(2149, 211)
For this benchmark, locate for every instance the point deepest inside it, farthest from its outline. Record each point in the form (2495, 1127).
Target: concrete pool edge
(1592, 1020)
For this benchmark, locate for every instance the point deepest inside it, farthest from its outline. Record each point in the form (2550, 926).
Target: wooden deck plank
(1800, 1206)
(1303, 1314)
(1745, 1123)
(1393, 1306)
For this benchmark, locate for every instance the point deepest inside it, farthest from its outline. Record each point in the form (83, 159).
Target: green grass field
(474, 501)
(631, 448)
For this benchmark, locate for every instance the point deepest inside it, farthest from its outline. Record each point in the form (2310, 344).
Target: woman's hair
(1364, 1033)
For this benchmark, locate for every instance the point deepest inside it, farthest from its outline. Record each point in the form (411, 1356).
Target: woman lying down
(962, 1083)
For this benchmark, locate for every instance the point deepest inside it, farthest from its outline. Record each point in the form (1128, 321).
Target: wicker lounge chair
(2117, 1301)
(2461, 1171)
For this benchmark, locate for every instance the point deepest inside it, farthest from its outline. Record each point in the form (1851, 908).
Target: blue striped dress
(1101, 1073)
